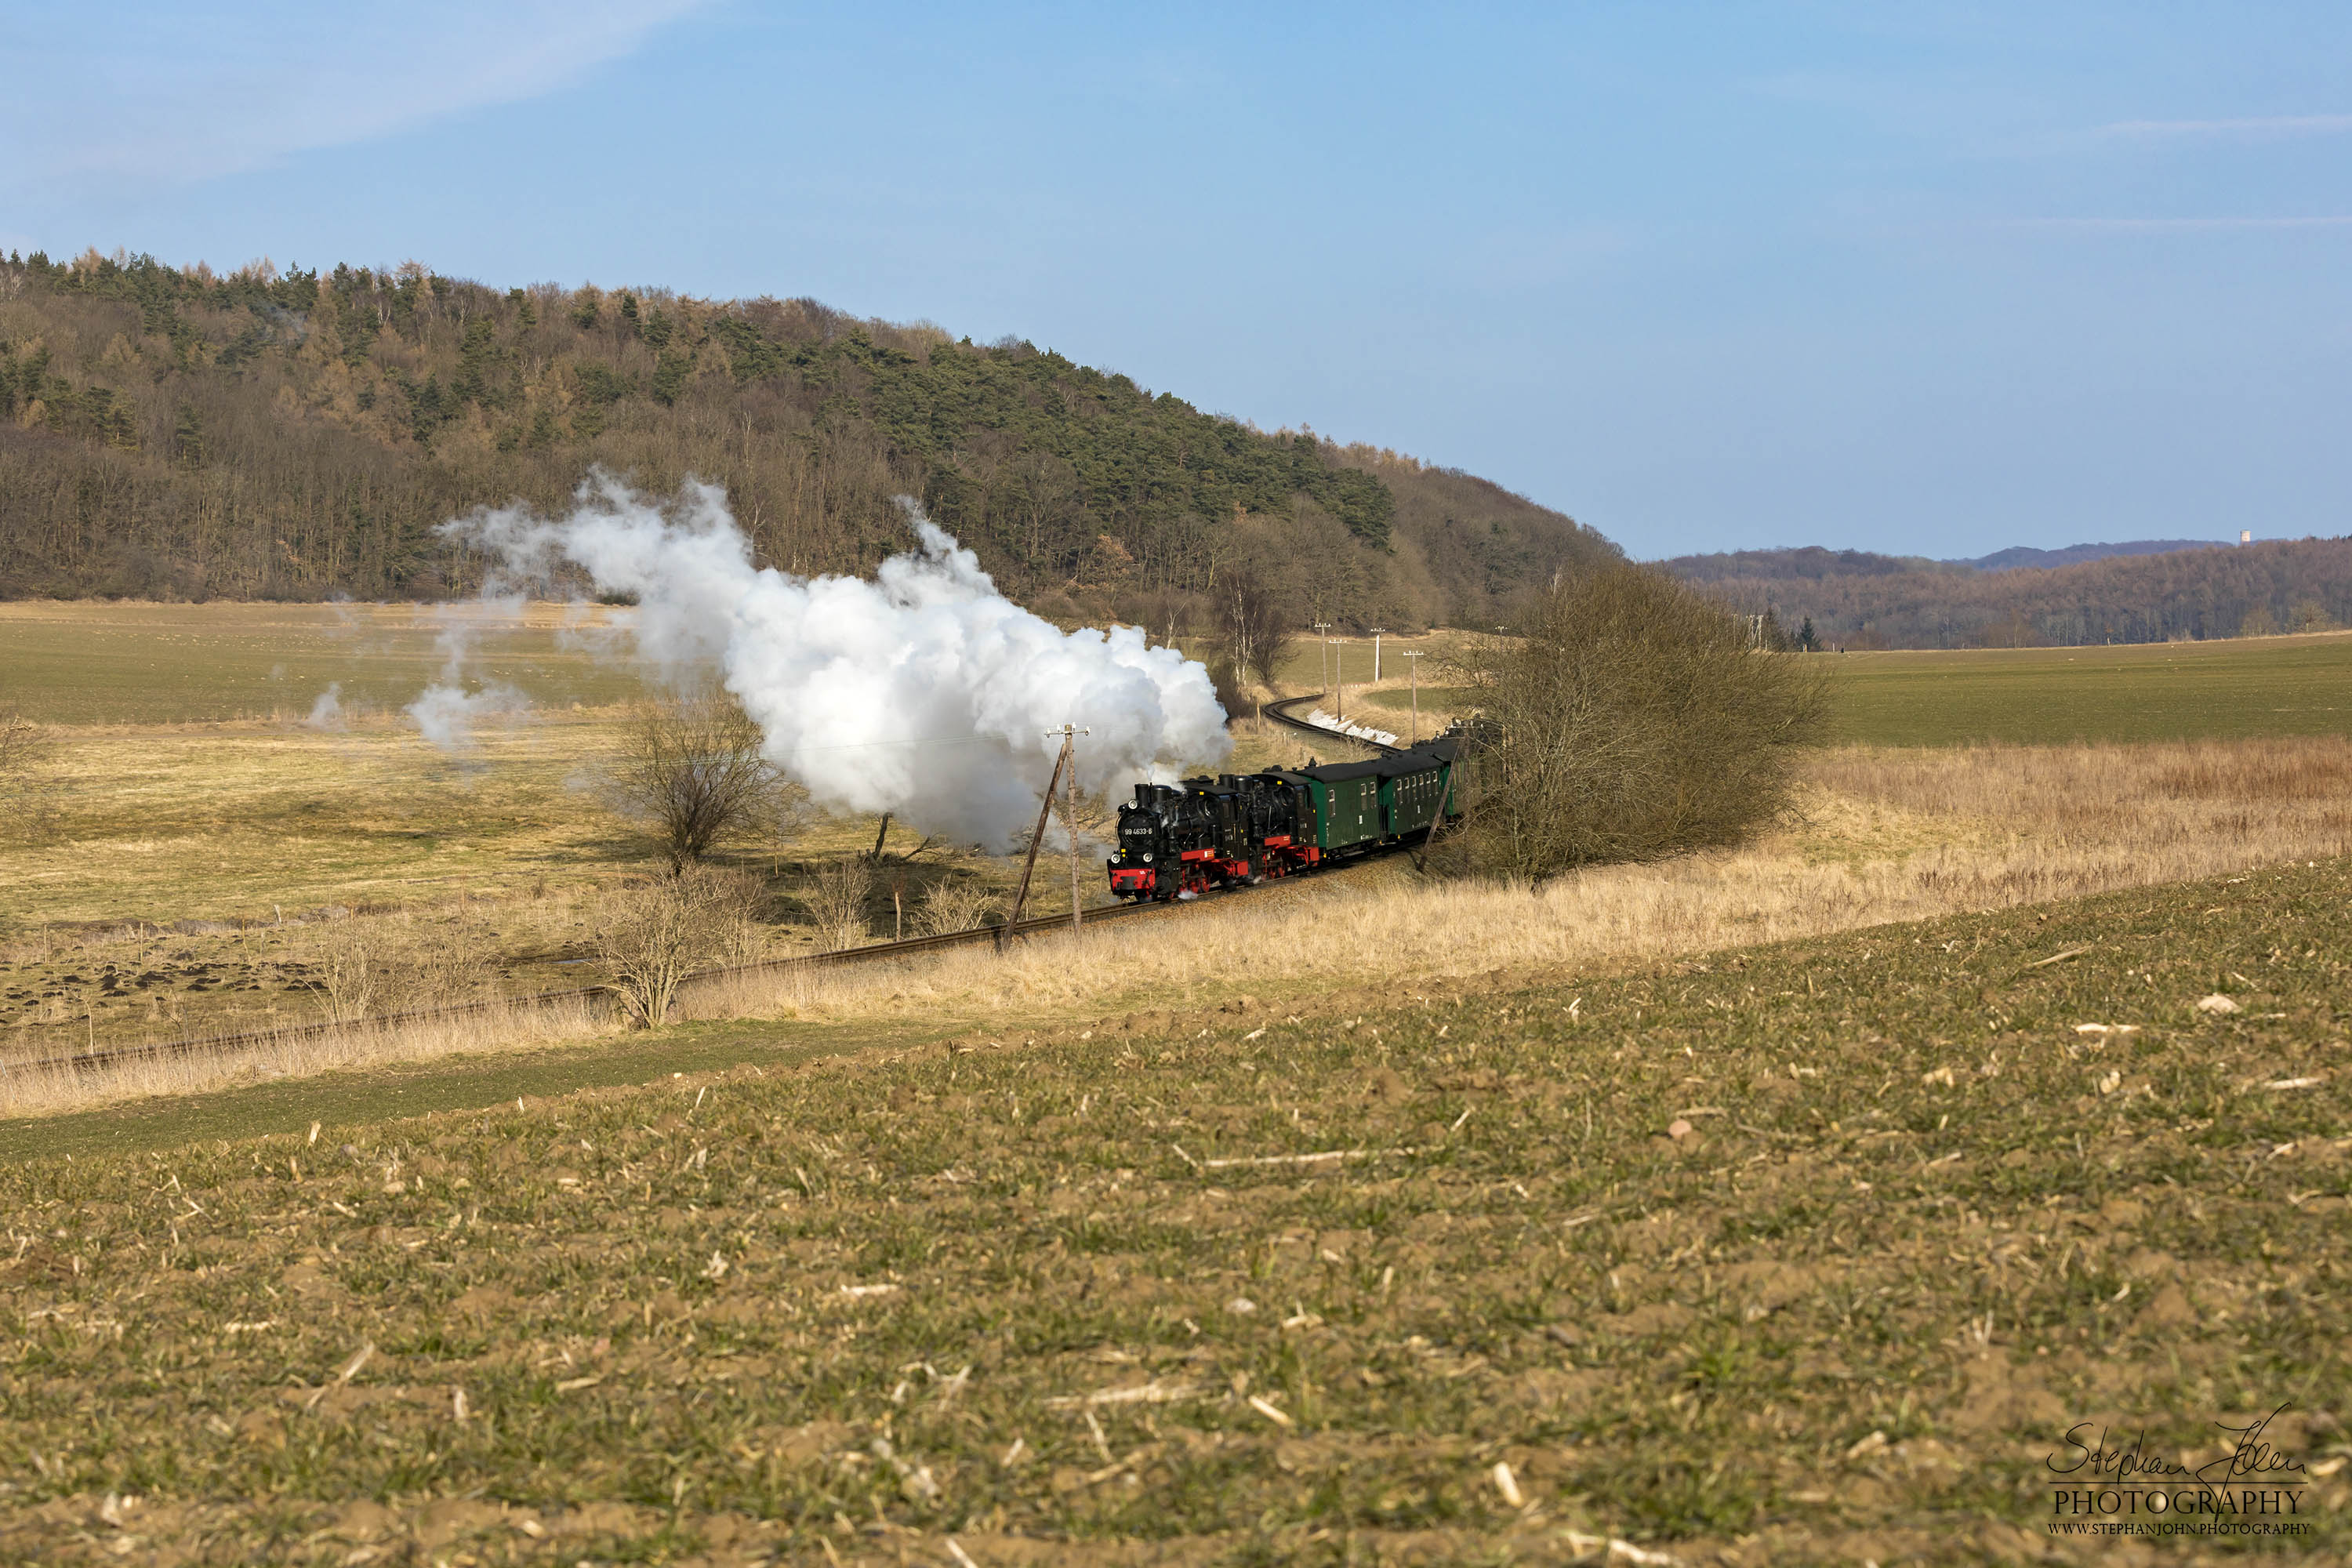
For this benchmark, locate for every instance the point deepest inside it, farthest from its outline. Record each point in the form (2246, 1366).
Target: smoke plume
(446, 715)
(327, 712)
(926, 692)
(446, 711)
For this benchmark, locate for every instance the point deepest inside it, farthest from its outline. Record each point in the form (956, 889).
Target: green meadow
(2244, 687)
(103, 663)
(2235, 689)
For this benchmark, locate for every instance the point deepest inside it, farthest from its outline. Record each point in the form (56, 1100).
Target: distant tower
(2245, 536)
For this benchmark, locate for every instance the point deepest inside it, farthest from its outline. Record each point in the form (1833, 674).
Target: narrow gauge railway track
(1280, 713)
(598, 996)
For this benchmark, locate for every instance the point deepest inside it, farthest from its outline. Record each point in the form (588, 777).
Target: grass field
(178, 886)
(196, 828)
(1885, 836)
(1808, 1253)
(137, 664)
(2247, 688)
(1690, 1213)
(2244, 687)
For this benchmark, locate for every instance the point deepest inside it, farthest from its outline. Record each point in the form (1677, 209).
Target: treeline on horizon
(1857, 600)
(178, 433)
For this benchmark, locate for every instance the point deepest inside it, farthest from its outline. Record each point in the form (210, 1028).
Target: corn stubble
(1805, 1254)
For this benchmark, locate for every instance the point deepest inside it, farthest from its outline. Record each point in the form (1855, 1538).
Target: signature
(2250, 1455)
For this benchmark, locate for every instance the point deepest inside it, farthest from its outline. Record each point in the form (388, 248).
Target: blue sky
(1931, 279)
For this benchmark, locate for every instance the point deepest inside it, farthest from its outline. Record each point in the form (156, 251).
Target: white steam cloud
(446, 715)
(926, 692)
(445, 712)
(327, 712)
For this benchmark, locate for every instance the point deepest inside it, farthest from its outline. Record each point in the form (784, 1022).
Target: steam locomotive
(1179, 841)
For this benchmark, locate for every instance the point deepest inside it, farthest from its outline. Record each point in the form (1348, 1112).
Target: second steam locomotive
(1177, 841)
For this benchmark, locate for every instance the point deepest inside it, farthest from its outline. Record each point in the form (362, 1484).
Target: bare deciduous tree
(1255, 628)
(691, 768)
(1634, 720)
(652, 937)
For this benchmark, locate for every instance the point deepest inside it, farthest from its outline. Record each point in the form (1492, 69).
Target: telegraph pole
(1067, 768)
(1414, 654)
(1377, 632)
(1325, 627)
(1045, 810)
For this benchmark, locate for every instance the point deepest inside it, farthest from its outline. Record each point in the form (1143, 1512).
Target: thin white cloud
(167, 94)
(2172, 224)
(2257, 128)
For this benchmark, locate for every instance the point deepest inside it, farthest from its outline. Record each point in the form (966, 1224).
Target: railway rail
(1281, 713)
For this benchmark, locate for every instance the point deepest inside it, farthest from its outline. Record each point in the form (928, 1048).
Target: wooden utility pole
(1045, 810)
(1414, 654)
(1069, 776)
(1325, 627)
(1377, 632)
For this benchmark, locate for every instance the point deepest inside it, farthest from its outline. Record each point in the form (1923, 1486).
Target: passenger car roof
(1394, 766)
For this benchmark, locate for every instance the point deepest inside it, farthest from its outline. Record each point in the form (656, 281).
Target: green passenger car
(1356, 805)
(1347, 805)
(1412, 797)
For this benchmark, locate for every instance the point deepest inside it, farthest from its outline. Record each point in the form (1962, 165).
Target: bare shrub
(439, 966)
(837, 900)
(651, 937)
(954, 905)
(28, 804)
(1634, 720)
(346, 973)
(745, 940)
(691, 768)
(361, 967)
(20, 737)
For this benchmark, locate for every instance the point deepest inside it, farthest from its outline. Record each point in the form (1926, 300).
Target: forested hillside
(1862, 601)
(180, 433)
(2068, 555)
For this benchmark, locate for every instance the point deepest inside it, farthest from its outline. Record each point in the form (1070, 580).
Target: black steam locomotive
(1179, 841)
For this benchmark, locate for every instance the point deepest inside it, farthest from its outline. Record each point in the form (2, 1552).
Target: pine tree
(188, 437)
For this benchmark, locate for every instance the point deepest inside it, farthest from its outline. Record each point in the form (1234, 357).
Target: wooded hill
(179, 433)
(1858, 600)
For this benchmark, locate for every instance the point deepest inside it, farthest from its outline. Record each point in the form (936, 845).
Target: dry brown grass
(46, 1091)
(1888, 836)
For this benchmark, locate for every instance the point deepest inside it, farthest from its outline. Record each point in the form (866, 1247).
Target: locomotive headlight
(1147, 856)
